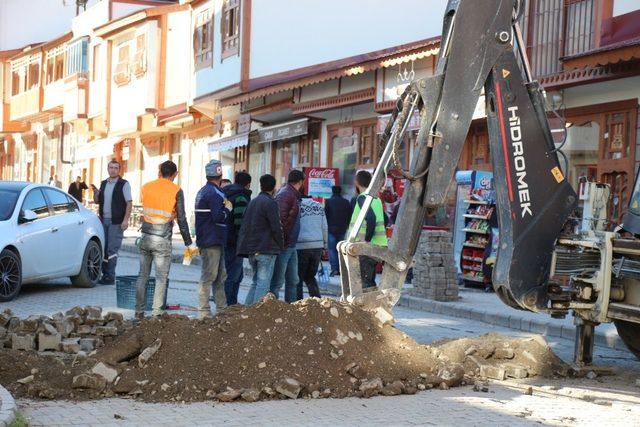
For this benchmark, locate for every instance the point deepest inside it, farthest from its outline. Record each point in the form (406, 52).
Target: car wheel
(10, 275)
(91, 267)
(630, 335)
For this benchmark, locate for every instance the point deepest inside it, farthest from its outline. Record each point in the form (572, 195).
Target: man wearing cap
(211, 214)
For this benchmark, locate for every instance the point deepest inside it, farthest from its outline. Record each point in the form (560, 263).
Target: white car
(46, 234)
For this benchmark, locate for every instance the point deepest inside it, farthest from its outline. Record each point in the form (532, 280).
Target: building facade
(143, 81)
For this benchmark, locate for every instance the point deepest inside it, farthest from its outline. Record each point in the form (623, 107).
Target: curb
(8, 408)
(610, 340)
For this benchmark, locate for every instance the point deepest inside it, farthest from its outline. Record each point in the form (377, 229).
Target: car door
(35, 237)
(69, 234)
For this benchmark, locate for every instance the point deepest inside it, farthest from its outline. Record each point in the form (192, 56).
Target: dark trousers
(333, 250)
(368, 271)
(308, 262)
(233, 264)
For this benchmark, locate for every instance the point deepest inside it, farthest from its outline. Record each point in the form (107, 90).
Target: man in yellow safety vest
(372, 230)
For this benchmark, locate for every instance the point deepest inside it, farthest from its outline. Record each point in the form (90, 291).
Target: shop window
(309, 150)
(620, 189)
(122, 74)
(343, 155)
(617, 136)
(241, 157)
(203, 40)
(581, 150)
(367, 146)
(140, 57)
(258, 164)
(286, 158)
(230, 28)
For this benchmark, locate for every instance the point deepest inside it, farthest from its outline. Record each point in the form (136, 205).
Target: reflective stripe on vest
(159, 201)
(380, 233)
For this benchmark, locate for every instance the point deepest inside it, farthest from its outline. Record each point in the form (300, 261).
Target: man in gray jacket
(312, 240)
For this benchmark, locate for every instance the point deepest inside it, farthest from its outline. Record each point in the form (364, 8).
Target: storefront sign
(283, 131)
(319, 181)
(228, 143)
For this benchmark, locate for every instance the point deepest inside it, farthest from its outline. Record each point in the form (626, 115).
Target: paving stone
(64, 327)
(88, 344)
(493, 372)
(289, 387)
(106, 331)
(23, 341)
(49, 342)
(87, 381)
(106, 372)
(71, 345)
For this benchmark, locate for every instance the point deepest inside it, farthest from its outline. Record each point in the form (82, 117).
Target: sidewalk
(473, 304)
(487, 308)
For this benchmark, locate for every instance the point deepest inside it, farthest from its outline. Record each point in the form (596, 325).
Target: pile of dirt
(314, 348)
(495, 356)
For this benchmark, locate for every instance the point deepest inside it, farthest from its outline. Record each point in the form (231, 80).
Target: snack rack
(477, 230)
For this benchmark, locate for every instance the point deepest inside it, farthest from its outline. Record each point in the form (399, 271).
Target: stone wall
(434, 270)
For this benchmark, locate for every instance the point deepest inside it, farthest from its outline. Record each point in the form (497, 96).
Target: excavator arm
(481, 48)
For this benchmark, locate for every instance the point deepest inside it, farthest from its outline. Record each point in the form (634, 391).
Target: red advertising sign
(319, 181)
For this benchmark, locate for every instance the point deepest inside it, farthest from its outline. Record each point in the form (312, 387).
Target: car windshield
(8, 200)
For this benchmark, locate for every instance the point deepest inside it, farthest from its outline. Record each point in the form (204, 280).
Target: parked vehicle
(46, 234)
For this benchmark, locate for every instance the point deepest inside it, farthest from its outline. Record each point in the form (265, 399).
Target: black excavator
(482, 51)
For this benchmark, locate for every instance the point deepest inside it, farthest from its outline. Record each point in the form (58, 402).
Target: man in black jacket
(114, 208)
(337, 209)
(239, 195)
(261, 238)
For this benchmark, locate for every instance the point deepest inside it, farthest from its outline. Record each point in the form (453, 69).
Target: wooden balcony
(25, 104)
(6, 125)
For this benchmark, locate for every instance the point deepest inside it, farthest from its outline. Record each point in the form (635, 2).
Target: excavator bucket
(534, 199)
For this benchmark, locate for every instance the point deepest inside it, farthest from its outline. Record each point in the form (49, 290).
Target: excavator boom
(481, 48)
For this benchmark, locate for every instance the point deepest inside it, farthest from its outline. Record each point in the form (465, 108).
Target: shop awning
(102, 147)
(283, 130)
(229, 142)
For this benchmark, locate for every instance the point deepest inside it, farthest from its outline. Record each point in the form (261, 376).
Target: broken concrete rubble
(289, 387)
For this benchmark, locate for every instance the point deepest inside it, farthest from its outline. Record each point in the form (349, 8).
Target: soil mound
(314, 348)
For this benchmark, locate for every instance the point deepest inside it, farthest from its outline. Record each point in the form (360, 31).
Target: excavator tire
(630, 335)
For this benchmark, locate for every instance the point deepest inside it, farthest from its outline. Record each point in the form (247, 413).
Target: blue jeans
(333, 250)
(286, 273)
(233, 264)
(262, 266)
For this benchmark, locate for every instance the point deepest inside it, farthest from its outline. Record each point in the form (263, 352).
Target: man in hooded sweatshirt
(239, 195)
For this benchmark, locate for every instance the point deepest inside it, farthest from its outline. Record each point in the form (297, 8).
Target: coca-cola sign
(330, 173)
(320, 180)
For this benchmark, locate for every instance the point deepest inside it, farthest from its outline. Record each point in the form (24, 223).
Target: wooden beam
(245, 45)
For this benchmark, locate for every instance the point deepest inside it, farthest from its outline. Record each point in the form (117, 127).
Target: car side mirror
(27, 215)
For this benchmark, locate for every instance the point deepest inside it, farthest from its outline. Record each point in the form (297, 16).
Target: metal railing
(553, 29)
(77, 57)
